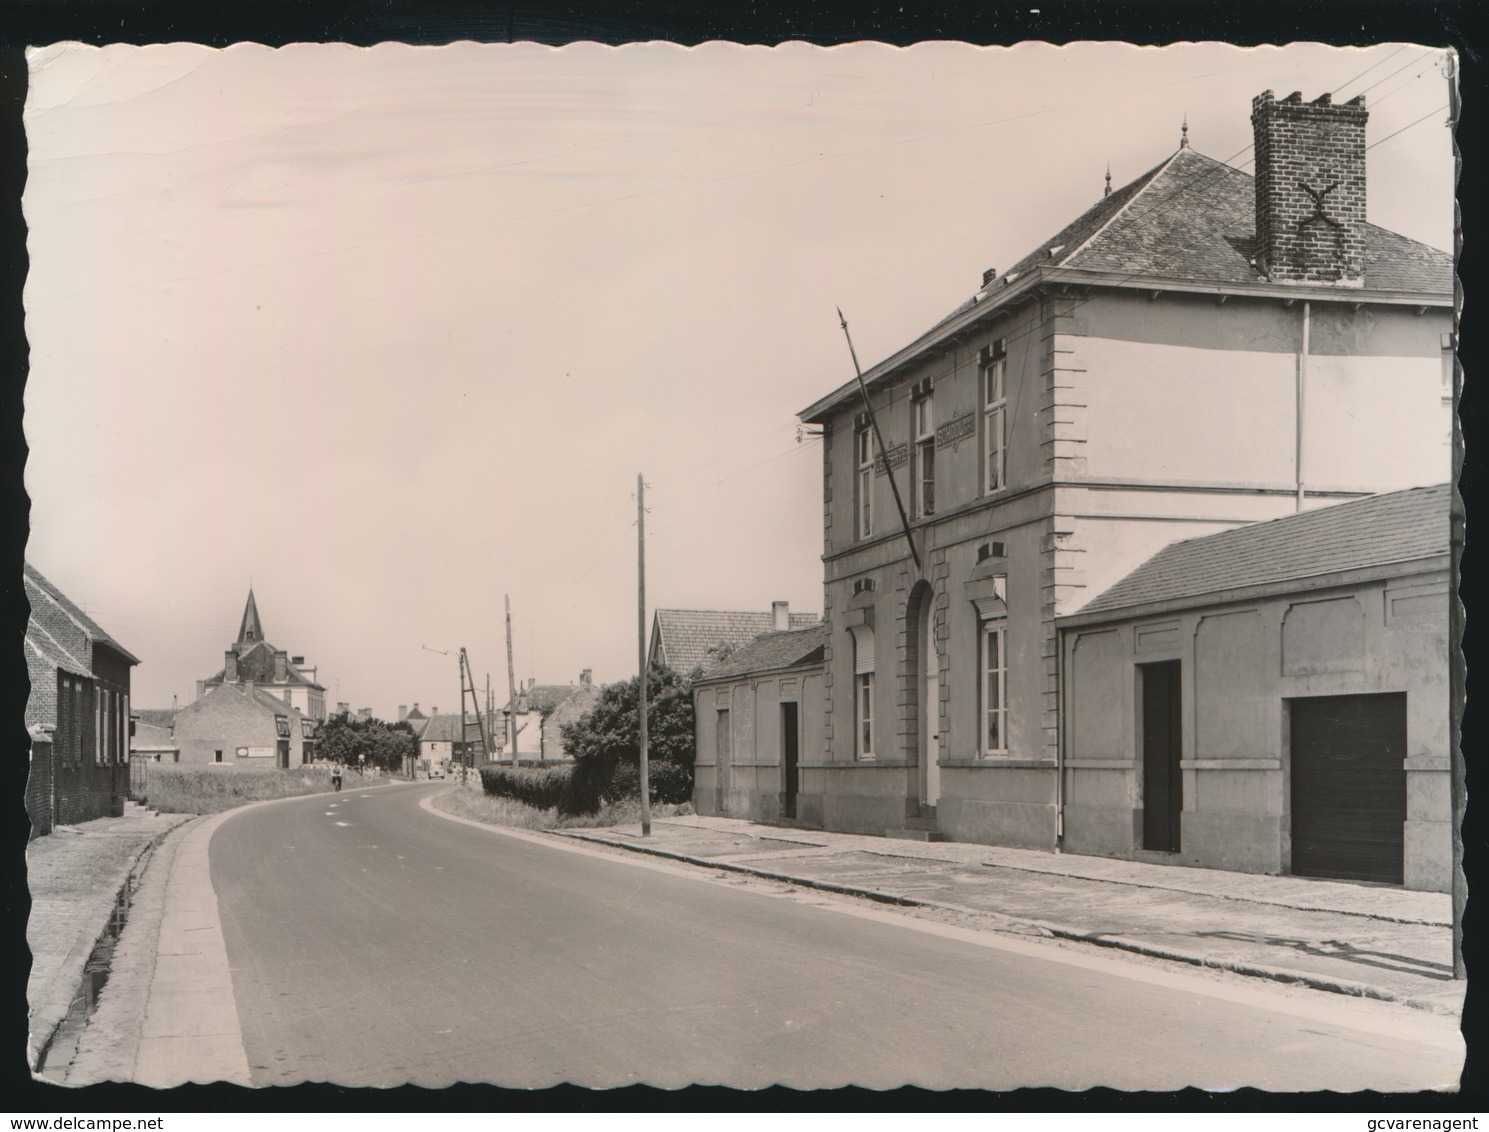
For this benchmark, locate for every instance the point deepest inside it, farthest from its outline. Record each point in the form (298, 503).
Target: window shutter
(863, 649)
(990, 608)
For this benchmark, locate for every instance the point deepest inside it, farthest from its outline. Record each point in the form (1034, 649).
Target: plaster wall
(750, 782)
(1241, 665)
(1374, 415)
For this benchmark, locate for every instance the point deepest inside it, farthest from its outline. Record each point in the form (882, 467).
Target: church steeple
(251, 631)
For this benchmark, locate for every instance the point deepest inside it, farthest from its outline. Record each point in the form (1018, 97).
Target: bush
(668, 782)
(607, 751)
(539, 787)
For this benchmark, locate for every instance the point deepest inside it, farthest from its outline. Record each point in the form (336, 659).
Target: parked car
(436, 770)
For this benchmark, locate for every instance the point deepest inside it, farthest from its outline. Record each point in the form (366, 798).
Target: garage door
(1349, 786)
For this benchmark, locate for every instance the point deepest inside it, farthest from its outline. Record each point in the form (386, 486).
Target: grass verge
(209, 790)
(478, 806)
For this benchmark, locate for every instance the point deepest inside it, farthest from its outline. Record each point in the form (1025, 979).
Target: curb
(1041, 927)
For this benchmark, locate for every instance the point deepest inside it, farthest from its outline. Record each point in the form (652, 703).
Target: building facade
(77, 712)
(243, 726)
(1271, 699)
(755, 714)
(1197, 351)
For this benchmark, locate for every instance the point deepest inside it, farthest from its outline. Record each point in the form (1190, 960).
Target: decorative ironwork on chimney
(1310, 189)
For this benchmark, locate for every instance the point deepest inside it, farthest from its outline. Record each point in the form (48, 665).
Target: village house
(691, 641)
(1199, 350)
(77, 713)
(243, 725)
(755, 712)
(261, 710)
(538, 716)
(1272, 699)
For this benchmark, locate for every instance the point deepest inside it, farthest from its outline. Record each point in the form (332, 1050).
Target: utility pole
(511, 686)
(641, 637)
(468, 683)
(879, 439)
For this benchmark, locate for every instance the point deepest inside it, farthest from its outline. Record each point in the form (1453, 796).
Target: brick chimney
(230, 667)
(1310, 189)
(281, 668)
(780, 616)
(403, 712)
(587, 677)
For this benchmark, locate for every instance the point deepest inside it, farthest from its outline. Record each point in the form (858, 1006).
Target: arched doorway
(925, 681)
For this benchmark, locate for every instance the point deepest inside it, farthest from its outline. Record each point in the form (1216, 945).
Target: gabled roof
(156, 717)
(546, 698)
(445, 727)
(253, 694)
(770, 651)
(72, 629)
(1190, 221)
(689, 639)
(1380, 531)
(267, 699)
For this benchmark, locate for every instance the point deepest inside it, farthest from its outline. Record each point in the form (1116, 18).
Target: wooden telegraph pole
(641, 636)
(511, 686)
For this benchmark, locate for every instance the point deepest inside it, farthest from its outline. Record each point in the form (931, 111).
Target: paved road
(375, 943)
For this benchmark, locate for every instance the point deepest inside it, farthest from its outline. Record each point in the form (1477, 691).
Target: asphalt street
(372, 942)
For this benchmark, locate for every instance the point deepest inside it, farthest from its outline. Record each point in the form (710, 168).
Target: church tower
(251, 632)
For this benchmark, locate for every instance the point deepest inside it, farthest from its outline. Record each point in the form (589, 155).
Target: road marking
(343, 824)
(1368, 1015)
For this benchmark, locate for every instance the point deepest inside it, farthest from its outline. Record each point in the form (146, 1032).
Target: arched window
(992, 669)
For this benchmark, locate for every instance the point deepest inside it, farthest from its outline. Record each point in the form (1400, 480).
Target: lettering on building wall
(255, 752)
(955, 431)
(891, 459)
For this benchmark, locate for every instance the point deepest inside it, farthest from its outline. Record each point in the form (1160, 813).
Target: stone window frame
(992, 628)
(864, 660)
(923, 449)
(863, 498)
(993, 366)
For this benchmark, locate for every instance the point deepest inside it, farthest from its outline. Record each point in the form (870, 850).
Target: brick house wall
(39, 787)
(229, 717)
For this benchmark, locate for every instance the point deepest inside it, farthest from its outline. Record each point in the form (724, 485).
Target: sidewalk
(75, 875)
(1370, 940)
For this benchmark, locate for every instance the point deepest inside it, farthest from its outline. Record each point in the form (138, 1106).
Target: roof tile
(1400, 526)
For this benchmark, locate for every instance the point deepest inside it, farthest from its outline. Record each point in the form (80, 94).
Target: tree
(342, 738)
(606, 743)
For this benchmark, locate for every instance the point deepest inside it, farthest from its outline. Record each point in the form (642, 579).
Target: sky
(387, 334)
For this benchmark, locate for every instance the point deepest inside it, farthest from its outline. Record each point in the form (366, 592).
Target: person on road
(362, 762)
(336, 776)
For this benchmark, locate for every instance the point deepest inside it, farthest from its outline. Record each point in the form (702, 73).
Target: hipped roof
(1189, 222)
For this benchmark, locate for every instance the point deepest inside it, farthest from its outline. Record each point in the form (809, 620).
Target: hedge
(542, 788)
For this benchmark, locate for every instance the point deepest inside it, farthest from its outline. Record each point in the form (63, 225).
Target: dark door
(1349, 787)
(723, 745)
(790, 739)
(1163, 782)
